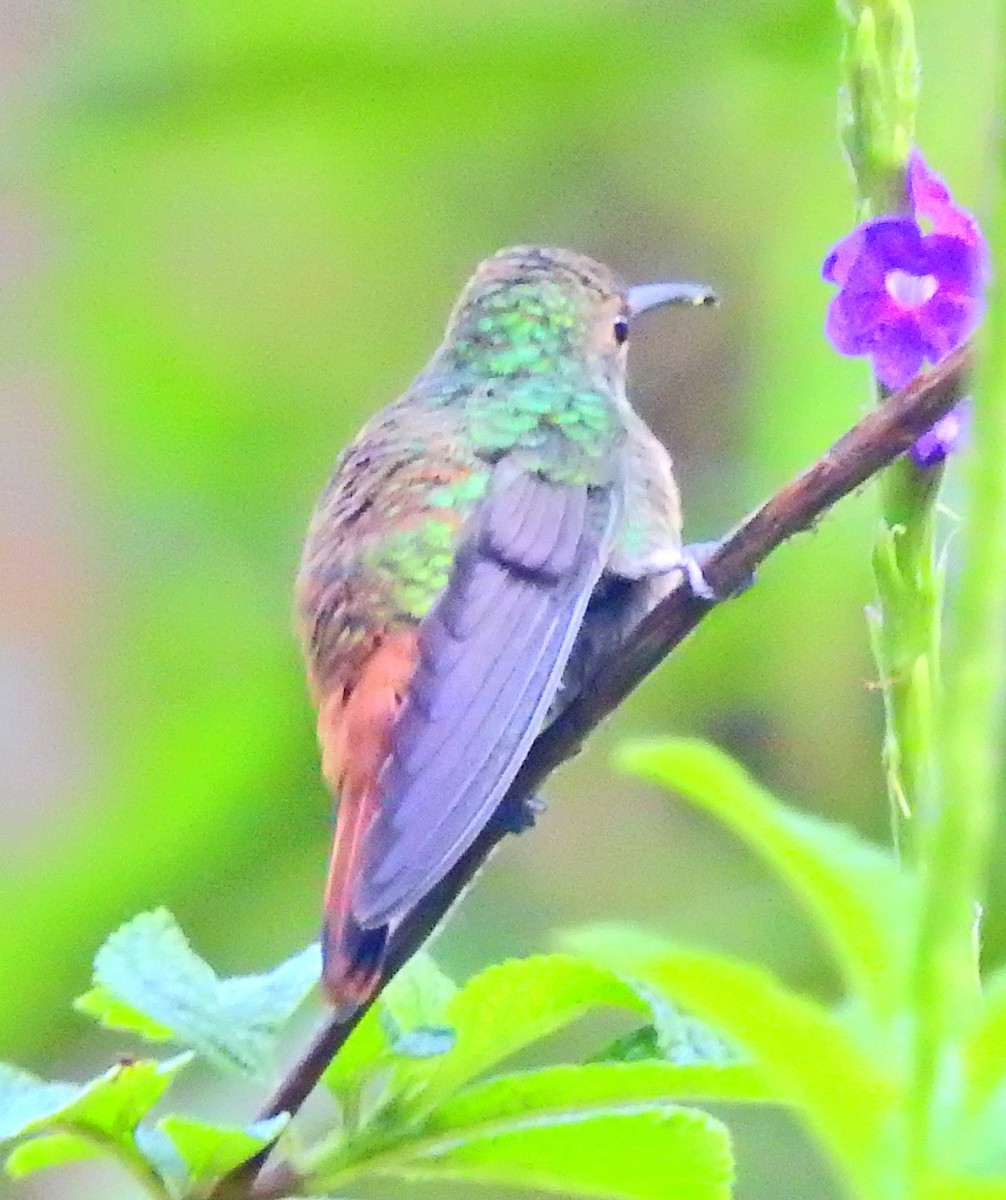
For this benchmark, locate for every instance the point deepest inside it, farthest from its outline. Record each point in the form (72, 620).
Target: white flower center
(910, 291)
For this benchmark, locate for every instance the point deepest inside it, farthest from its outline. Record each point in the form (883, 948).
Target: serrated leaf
(514, 1004)
(110, 1105)
(696, 1045)
(601, 1130)
(650, 1154)
(496, 1013)
(26, 1101)
(854, 891)
(107, 1109)
(406, 1023)
(211, 1151)
(114, 1013)
(413, 1007)
(148, 967)
(367, 1049)
(805, 1054)
(49, 1150)
(186, 1153)
(570, 1088)
(418, 995)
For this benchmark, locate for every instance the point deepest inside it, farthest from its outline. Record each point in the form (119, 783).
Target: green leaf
(419, 994)
(806, 1056)
(147, 974)
(109, 1105)
(590, 1085)
(50, 1150)
(983, 1048)
(413, 1009)
(407, 1025)
(510, 1006)
(27, 1102)
(696, 1045)
(957, 1187)
(107, 1110)
(211, 1151)
(854, 891)
(599, 1130)
(114, 1013)
(495, 1014)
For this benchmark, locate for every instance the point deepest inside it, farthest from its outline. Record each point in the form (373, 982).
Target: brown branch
(872, 444)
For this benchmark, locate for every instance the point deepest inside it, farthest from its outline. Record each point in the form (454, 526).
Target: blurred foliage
(425, 1087)
(230, 232)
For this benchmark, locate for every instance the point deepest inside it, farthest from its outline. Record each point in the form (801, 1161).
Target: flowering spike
(906, 296)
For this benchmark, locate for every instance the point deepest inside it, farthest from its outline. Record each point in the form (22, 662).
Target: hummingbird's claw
(696, 554)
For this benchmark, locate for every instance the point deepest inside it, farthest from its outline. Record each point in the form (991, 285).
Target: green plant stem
(957, 846)
(906, 639)
(877, 121)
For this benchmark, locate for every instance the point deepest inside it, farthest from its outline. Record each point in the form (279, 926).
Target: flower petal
(945, 321)
(845, 329)
(932, 201)
(895, 243)
(841, 256)
(927, 190)
(955, 263)
(899, 356)
(945, 436)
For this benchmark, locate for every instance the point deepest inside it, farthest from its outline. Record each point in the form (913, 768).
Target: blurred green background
(228, 232)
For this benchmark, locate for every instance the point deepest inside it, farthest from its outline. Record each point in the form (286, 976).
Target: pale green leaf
(114, 1013)
(107, 1111)
(600, 1130)
(109, 1105)
(407, 1023)
(49, 1150)
(496, 1013)
(27, 1102)
(957, 1187)
(648, 1154)
(418, 995)
(854, 891)
(148, 968)
(512, 1005)
(983, 1048)
(367, 1049)
(567, 1089)
(211, 1151)
(806, 1056)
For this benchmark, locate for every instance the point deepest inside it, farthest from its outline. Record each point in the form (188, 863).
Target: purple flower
(907, 295)
(945, 436)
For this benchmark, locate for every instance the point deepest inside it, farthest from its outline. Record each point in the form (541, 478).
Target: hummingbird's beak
(655, 295)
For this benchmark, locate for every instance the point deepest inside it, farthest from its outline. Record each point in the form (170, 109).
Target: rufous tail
(354, 729)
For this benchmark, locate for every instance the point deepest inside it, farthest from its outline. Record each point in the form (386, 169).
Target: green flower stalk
(958, 846)
(910, 295)
(877, 126)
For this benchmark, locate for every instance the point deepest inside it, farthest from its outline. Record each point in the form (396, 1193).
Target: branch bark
(872, 444)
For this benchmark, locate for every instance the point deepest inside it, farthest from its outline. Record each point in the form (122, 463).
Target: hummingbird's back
(448, 570)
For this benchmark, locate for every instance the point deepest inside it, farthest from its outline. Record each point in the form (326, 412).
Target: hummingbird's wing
(491, 654)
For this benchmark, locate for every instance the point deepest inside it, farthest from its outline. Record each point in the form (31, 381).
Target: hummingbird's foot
(518, 816)
(686, 562)
(696, 555)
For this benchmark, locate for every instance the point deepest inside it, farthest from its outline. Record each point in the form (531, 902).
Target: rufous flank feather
(354, 729)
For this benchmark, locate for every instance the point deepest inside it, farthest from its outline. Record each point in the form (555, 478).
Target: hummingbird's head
(531, 310)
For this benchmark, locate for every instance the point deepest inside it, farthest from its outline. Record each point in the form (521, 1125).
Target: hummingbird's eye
(621, 329)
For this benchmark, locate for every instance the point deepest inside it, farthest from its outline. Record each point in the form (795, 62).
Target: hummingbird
(482, 544)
